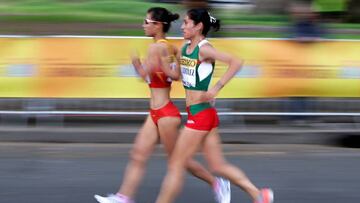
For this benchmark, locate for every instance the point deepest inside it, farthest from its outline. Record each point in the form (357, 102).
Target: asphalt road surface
(72, 173)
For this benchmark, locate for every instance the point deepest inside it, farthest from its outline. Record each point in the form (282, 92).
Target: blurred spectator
(306, 25)
(305, 28)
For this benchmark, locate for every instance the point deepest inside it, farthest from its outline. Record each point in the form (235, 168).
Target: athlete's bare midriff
(194, 97)
(159, 97)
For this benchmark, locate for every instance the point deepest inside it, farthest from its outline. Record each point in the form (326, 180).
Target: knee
(218, 168)
(175, 165)
(139, 156)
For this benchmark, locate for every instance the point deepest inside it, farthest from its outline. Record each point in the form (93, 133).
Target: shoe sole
(100, 199)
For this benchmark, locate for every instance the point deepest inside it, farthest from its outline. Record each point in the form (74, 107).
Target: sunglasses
(148, 21)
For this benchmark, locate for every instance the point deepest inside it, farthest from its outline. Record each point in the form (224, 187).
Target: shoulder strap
(204, 41)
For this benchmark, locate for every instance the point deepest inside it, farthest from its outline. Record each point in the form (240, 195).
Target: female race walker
(161, 64)
(201, 130)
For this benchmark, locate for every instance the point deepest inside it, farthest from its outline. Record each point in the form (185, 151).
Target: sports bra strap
(204, 41)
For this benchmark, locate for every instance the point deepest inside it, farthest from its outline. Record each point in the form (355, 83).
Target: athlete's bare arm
(140, 69)
(173, 73)
(144, 69)
(207, 52)
(177, 58)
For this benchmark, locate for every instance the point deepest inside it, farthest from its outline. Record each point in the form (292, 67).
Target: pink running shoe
(266, 196)
(113, 198)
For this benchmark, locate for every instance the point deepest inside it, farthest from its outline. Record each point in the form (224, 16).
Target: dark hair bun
(173, 16)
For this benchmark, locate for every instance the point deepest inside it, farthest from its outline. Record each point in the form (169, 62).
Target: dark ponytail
(163, 15)
(202, 15)
(215, 23)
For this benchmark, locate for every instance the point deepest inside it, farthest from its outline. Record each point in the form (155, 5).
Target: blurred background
(241, 18)
(290, 118)
(325, 99)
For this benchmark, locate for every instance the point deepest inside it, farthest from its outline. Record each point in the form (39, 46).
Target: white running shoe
(222, 190)
(113, 198)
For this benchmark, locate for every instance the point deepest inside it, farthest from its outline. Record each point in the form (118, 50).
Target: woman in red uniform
(160, 67)
(198, 58)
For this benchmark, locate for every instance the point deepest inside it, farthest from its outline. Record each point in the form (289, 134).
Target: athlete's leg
(145, 142)
(187, 144)
(168, 128)
(168, 131)
(218, 164)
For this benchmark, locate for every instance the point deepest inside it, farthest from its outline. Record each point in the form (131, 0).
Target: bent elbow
(238, 64)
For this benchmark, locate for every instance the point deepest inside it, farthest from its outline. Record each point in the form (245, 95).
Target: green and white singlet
(196, 74)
